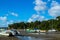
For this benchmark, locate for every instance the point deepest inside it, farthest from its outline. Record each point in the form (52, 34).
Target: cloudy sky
(12, 11)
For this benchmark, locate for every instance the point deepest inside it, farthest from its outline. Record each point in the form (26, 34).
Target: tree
(44, 25)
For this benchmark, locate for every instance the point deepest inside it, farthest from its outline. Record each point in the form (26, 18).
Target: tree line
(43, 25)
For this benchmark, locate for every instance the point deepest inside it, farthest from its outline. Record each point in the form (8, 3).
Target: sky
(12, 11)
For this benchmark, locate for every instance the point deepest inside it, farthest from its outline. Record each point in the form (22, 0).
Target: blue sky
(27, 10)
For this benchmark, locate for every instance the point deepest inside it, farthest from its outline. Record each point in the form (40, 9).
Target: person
(39, 32)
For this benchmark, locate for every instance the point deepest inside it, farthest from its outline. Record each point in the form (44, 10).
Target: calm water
(32, 38)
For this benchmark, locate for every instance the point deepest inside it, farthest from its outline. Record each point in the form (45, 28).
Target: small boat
(9, 33)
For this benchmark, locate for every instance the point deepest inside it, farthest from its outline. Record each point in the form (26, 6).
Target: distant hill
(3, 27)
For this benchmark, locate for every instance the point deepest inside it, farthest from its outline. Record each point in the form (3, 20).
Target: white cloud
(36, 17)
(14, 14)
(30, 20)
(55, 9)
(39, 5)
(54, 3)
(4, 21)
(41, 18)
(10, 22)
(3, 18)
(3, 25)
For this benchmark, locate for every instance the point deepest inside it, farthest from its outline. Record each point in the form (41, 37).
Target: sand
(8, 38)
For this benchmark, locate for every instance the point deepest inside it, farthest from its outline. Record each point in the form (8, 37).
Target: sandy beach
(51, 36)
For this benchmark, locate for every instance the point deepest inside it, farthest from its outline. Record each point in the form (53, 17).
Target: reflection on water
(32, 38)
(24, 38)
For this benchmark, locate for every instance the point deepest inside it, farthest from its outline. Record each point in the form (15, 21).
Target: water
(32, 38)
(49, 36)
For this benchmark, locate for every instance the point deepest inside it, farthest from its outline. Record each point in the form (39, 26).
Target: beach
(33, 36)
(47, 36)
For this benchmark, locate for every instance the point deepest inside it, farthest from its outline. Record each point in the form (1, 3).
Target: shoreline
(53, 36)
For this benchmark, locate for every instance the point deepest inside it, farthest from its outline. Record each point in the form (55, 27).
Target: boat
(9, 33)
